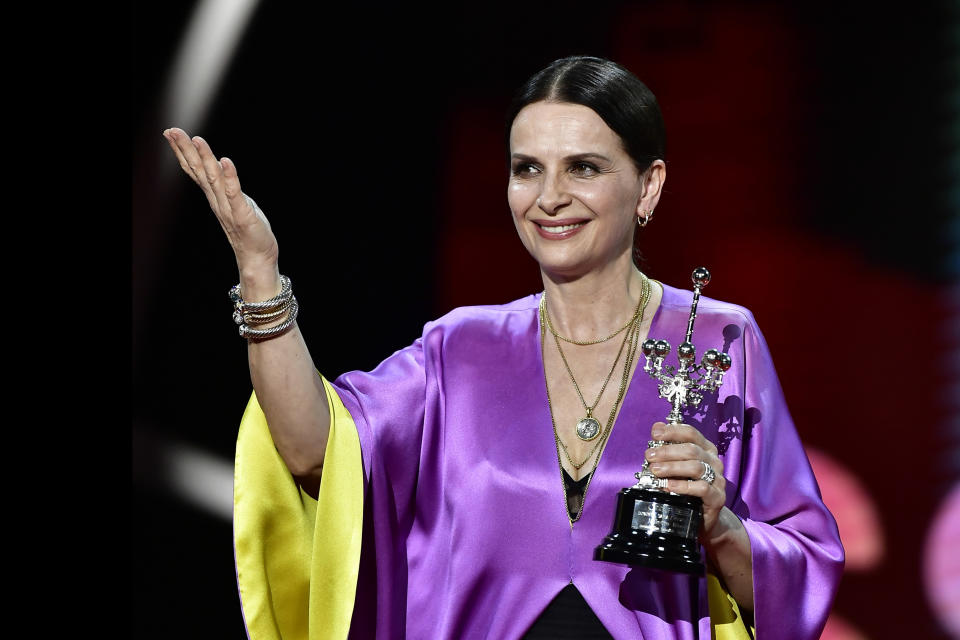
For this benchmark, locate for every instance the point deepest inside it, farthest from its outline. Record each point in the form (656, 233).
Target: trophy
(654, 527)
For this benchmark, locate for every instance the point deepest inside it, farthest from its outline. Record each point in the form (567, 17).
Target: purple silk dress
(466, 527)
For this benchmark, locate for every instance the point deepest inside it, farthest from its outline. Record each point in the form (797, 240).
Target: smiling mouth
(560, 228)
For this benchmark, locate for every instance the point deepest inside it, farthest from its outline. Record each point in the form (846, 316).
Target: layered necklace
(588, 427)
(585, 429)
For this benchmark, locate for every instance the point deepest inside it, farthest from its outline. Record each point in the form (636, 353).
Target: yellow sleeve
(297, 558)
(726, 622)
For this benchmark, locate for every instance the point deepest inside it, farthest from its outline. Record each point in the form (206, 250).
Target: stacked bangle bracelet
(251, 314)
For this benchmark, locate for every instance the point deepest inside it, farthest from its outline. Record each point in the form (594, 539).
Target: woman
(482, 463)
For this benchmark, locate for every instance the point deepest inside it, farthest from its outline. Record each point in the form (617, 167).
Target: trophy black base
(655, 529)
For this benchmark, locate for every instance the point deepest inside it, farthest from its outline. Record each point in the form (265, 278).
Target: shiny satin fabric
(462, 487)
(297, 558)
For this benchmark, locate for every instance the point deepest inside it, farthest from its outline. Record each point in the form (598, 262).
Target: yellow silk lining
(726, 623)
(297, 558)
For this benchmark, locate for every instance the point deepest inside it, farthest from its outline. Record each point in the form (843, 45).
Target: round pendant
(588, 429)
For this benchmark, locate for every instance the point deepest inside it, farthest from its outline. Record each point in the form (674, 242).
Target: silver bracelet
(260, 318)
(280, 300)
(264, 334)
(250, 314)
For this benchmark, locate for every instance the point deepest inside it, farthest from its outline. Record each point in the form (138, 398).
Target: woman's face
(573, 190)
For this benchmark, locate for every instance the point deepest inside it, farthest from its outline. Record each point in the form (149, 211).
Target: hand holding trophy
(654, 527)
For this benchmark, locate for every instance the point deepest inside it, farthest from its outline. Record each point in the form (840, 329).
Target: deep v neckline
(587, 479)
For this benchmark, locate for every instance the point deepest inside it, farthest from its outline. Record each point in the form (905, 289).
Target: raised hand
(287, 385)
(247, 228)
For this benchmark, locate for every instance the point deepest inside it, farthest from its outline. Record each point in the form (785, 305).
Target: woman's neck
(595, 304)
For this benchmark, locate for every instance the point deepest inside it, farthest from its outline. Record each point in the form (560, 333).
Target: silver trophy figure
(654, 527)
(681, 386)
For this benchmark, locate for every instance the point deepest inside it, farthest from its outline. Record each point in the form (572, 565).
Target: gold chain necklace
(588, 427)
(584, 343)
(633, 334)
(609, 426)
(631, 337)
(562, 447)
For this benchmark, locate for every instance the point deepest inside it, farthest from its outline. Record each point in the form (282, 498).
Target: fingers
(242, 206)
(217, 178)
(184, 149)
(712, 495)
(245, 226)
(191, 162)
(174, 137)
(692, 469)
(231, 184)
(681, 433)
(683, 456)
(686, 477)
(682, 461)
(213, 174)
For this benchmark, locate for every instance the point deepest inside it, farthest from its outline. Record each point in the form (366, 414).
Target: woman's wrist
(264, 284)
(260, 283)
(728, 531)
(728, 551)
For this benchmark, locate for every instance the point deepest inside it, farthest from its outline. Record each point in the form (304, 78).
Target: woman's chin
(572, 267)
(565, 269)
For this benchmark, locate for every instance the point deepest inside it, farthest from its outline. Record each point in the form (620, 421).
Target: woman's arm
(284, 378)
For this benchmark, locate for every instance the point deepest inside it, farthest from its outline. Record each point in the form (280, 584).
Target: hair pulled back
(621, 100)
(624, 103)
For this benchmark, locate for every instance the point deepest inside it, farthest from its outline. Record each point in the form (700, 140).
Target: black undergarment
(575, 489)
(568, 615)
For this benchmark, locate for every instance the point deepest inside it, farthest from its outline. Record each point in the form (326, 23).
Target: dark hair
(624, 103)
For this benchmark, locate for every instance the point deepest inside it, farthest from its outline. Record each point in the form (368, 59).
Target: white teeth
(562, 228)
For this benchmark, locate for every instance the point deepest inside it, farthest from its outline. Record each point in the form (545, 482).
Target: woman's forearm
(289, 390)
(728, 550)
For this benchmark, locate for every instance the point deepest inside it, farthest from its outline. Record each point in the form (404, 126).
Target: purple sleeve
(795, 544)
(387, 405)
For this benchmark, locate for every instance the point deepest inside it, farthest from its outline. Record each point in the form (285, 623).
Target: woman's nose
(553, 195)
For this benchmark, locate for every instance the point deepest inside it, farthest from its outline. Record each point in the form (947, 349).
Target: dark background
(811, 157)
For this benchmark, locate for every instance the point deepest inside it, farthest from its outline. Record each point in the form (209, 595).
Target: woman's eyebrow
(571, 158)
(586, 156)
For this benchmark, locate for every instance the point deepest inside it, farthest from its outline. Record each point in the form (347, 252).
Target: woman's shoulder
(679, 300)
(522, 308)
(487, 327)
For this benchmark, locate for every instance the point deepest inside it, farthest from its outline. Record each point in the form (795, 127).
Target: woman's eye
(524, 170)
(583, 169)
